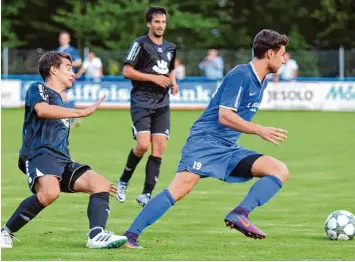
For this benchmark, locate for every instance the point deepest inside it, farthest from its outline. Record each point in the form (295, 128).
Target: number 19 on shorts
(197, 165)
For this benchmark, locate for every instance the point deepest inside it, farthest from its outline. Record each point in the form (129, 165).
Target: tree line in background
(110, 26)
(223, 24)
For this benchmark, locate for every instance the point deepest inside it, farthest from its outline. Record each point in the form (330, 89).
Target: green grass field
(319, 153)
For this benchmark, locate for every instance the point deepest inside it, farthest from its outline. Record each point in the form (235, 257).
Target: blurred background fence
(330, 63)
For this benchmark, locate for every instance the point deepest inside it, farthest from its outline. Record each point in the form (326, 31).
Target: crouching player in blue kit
(45, 159)
(211, 150)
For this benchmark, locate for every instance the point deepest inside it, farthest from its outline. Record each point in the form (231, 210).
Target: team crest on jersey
(65, 122)
(169, 56)
(161, 67)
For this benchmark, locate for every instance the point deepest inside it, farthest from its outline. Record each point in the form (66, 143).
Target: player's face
(276, 59)
(65, 74)
(157, 25)
(64, 39)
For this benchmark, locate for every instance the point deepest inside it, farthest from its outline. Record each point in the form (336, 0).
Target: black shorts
(155, 121)
(243, 169)
(45, 164)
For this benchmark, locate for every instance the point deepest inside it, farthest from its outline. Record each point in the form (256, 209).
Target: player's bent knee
(48, 196)
(91, 182)
(142, 147)
(158, 151)
(282, 172)
(182, 184)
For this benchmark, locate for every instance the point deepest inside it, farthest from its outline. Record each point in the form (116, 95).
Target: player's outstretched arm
(47, 111)
(130, 73)
(228, 117)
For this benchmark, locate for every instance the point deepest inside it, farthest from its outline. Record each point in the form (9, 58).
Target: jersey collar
(257, 77)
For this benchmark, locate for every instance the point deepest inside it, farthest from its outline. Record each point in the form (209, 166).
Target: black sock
(131, 164)
(151, 173)
(28, 209)
(98, 211)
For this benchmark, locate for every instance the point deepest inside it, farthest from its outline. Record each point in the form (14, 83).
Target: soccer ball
(340, 225)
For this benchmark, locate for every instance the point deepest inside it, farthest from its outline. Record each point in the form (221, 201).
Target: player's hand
(113, 190)
(174, 89)
(273, 135)
(161, 80)
(91, 109)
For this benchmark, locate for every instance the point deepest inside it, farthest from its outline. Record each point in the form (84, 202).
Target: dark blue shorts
(212, 157)
(45, 164)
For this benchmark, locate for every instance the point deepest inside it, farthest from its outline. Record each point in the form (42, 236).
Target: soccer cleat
(121, 193)
(131, 240)
(143, 199)
(243, 224)
(6, 239)
(105, 239)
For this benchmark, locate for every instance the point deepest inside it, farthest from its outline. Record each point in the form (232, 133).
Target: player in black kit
(150, 66)
(45, 159)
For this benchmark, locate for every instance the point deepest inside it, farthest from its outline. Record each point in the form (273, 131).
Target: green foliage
(10, 18)
(113, 67)
(223, 24)
(337, 23)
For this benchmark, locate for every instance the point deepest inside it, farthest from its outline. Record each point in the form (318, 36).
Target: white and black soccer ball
(340, 225)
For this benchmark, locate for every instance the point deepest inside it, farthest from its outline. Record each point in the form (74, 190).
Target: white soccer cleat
(121, 193)
(105, 239)
(143, 199)
(6, 239)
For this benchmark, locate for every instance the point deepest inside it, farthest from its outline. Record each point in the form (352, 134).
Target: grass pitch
(319, 152)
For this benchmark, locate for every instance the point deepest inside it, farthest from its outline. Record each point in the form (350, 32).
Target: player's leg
(46, 190)
(80, 178)
(181, 185)
(160, 126)
(141, 132)
(272, 173)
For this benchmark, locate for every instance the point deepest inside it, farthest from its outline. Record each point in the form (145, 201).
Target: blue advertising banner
(191, 94)
(195, 93)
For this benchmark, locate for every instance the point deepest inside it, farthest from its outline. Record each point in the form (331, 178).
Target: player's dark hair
(154, 10)
(268, 39)
(49, 59)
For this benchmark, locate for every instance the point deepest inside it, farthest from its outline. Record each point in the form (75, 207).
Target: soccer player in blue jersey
(45, 159)
(211, 150)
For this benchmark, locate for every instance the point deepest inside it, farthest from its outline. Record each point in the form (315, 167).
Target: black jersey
(147, 57)
(39, 133)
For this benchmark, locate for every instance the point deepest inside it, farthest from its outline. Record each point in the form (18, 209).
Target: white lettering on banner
(328, 96)
(92, 92)
(10, 93)
(198, 94)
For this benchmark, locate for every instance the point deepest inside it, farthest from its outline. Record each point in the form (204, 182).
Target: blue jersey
(72, 51)
(240, 91)
(39, 133)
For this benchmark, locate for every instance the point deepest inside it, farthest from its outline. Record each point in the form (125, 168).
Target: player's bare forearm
(172, 77)
(130, 73)
(77, 63)
(47, 111)
(229, 118)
